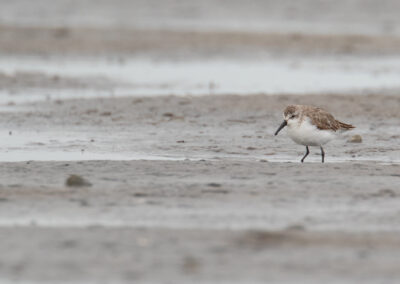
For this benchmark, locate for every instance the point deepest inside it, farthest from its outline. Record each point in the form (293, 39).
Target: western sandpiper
(311, 126)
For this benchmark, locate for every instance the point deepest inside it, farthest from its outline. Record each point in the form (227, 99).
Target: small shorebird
(311, 126)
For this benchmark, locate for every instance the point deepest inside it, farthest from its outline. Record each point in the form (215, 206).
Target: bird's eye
(292, 116)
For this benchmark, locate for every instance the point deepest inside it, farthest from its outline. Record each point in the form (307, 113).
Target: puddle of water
(62, 146)
(225, 217)
(334, 160)
(78, 146)
(25, 155)
(147, 77)
(39, 95)
(51, 155)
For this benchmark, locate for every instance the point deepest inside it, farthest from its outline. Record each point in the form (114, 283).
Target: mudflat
(112, 172)
(218, 198)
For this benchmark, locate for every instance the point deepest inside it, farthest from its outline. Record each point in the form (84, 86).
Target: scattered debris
(172, 116)
(106, 113)
(168, 114)
(215, 191)
(214, 184)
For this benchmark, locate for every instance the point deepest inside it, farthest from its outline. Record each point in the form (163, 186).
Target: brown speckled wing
(323, 120)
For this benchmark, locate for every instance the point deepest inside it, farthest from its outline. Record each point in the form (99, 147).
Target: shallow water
(144, 77)
(83, 146)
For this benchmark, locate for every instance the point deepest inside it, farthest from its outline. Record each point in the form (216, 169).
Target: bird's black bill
(284, 123)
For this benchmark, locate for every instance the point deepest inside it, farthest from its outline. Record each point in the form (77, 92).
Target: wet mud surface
(209, 127)
(226, 221)
(113, 175)
(99, 255)
(233, 203)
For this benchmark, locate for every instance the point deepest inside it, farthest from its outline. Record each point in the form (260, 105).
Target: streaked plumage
(311, 126)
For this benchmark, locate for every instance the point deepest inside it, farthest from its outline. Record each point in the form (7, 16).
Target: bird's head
(291, 116)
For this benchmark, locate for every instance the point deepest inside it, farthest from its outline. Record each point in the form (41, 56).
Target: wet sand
(234, 204)
(99, 255)
(196, 189)
(179, 45)
(206, 127)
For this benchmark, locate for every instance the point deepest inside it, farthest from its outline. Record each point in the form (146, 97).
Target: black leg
(307, 152)
(322, 154)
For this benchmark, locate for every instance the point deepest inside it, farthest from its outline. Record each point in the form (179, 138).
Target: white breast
(308, 134)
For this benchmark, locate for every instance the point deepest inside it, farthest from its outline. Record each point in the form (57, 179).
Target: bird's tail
(345, 126)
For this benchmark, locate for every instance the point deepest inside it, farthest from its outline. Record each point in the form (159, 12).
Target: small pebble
(76, 181)
(355, 139)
